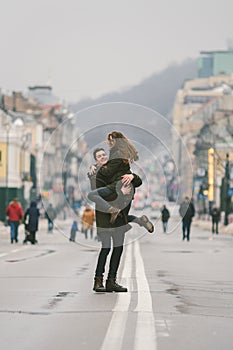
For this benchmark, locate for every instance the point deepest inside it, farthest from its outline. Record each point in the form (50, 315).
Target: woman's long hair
(122, 147)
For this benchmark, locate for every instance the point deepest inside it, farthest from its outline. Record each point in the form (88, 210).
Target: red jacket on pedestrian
(14, 211)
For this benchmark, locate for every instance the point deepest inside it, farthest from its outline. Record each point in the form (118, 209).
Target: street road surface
(180, 293)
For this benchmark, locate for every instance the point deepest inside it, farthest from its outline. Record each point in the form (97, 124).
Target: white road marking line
(12, 251)
(15, 250)
(116, 329)
(145, 335)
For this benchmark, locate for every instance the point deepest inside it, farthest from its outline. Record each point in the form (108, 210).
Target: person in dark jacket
(14, 213)
(73, 231)
(108, 232)
(31, 221)
(123, 190)
(187, 212)
(50, 215)
(165, 215)
(216, 215)
(122, 153)
(113, 173)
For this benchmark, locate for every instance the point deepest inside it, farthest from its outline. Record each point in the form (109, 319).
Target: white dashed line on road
(12, 251)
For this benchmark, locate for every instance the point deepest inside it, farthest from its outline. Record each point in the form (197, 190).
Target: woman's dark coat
(31, 218)
(165, 215)
(216, 215)
(109, 176)
(187, 211)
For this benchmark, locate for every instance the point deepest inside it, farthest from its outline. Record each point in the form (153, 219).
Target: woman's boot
(98, 285)
(112, 286)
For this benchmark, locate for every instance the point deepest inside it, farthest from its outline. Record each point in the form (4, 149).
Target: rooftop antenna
(49, 80)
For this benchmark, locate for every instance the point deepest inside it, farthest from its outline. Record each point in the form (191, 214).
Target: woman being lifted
(115, 173)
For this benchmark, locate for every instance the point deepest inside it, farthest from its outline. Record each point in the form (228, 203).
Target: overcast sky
(86, 48)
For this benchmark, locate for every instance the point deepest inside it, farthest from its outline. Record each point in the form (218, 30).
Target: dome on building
(44, 96)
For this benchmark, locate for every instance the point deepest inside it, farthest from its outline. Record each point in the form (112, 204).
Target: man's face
(101, 157)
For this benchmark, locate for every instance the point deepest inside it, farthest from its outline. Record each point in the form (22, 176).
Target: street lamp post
(227, 186)
(7, 163)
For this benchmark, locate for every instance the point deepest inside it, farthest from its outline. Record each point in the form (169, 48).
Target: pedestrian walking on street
(14, 212)
(50, 214)
(31, 222)
(73, 231)
(187, 212)
(165, 217)
(216, 215)
(88, 219)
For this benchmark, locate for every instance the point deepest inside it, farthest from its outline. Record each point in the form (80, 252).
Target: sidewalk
(61, 229)
(5, 230)
(207, 225)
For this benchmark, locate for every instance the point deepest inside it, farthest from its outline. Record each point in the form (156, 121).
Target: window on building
(197, 99)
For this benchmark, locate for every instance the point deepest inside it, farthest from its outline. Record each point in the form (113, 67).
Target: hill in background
(156, 92)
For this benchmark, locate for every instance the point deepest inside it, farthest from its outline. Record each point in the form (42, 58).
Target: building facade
(213, 63)
(34, 145)
(195, 106)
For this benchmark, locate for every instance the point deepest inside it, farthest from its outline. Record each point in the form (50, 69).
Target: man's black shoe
(112, 286)
(98, 285)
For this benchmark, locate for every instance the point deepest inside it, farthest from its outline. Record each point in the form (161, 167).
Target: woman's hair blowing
(123, 148)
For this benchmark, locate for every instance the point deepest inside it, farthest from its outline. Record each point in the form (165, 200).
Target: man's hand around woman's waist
(127, 179)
